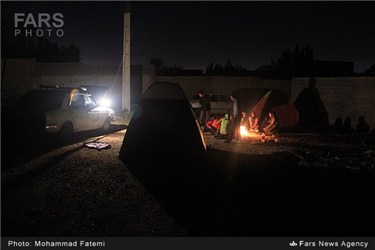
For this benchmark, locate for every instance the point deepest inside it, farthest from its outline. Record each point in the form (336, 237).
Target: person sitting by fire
(244, 125)
(244, 122)
(213, 125)
(253, 123)
(271, 124)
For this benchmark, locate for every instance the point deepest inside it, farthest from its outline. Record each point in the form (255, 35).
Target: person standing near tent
(236, 121)
(253, 123)
(204, 101)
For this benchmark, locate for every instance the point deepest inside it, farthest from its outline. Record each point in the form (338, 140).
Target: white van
(220, 104)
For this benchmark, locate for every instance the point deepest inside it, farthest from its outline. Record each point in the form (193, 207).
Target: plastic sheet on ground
(98, 145)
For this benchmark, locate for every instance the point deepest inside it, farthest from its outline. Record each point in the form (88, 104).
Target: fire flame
(245, 133)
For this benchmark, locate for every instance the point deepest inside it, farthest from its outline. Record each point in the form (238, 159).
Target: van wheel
(66, 132)
(106, 124)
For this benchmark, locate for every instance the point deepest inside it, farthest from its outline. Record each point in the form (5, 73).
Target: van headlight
(105, 103)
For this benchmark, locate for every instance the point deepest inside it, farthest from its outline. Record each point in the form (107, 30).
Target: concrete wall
(344, 97)
(148, 76)
(17, 77)
(22, 75)
(284, 86)
(135, 84)
(224, 84)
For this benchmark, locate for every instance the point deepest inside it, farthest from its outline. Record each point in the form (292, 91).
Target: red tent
(286, 113)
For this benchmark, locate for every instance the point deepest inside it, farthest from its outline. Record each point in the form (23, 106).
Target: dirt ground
(302, 184)
(78, 191)
(309, 185)
(354, 152)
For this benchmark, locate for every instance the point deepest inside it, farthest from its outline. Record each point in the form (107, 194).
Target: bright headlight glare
(105, 103)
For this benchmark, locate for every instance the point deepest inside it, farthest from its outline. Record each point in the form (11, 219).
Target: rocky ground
(299, 184)
(303, 184)
(352, 152)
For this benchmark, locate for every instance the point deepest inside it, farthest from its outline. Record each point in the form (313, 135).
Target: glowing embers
(246, 133)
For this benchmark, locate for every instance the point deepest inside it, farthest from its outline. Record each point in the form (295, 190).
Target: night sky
(194, 34)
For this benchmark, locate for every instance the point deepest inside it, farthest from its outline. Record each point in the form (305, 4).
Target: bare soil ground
(303, 184)
(310, 185)
(77, 191)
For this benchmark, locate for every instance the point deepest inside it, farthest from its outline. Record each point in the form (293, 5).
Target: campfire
(245, 133)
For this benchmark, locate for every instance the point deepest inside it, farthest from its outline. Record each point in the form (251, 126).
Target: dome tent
(165, 150)
(261, 101)
(286, 113)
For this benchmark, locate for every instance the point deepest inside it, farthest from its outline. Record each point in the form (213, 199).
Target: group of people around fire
(229, 126)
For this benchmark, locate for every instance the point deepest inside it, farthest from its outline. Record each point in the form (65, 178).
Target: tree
(299, 62)
(371, 70)
(228, 69)
(161, 69)
(40, 48)
(158, 63)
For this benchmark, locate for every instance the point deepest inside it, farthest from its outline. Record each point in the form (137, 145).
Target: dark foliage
(371, 69)
(40, 48)
(298, 62)
(161, 69)
(228, 69)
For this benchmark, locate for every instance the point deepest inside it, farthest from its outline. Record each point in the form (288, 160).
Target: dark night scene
(187, 119)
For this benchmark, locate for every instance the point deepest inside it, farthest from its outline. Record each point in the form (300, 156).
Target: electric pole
(126, 60)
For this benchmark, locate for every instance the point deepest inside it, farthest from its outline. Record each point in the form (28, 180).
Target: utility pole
(126, 60)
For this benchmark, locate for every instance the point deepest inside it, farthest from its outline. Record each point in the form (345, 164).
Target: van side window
(77, 101)
(89, 101)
